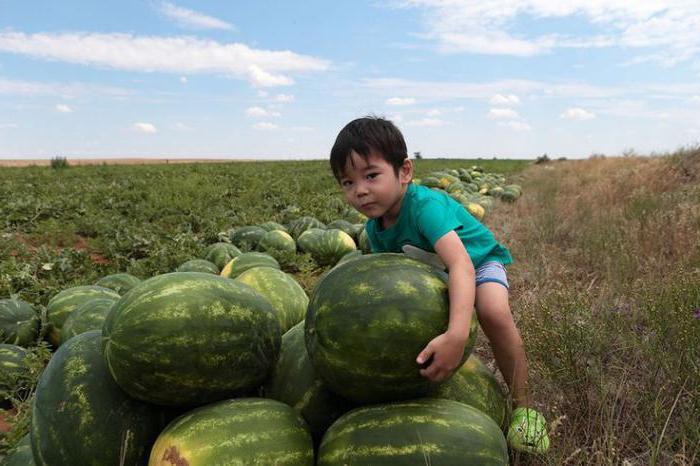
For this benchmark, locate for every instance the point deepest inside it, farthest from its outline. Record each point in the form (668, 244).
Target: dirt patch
(6, 418)
(81, 244)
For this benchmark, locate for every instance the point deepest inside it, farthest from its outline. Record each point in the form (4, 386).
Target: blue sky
(279, 79)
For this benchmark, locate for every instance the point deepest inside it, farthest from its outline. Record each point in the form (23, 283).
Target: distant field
(605, 282)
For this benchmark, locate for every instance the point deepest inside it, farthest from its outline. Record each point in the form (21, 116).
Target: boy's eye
(371, 176)
(346, 183)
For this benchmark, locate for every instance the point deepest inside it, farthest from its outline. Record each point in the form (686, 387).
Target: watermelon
(277, 242)
(81, 417)
(363, 242)
(300, 225)
(328, 247)
(245, 431)
(89, 316)
(474, 384)
(14, 373)
(430, 182)
(189, 338)
(199, 265)
(19, 322)
(119, 282)
(287, 297)
(221, 254)
(247, 237)
(343, 225)
(425, 431)
(476, 210)
(295, 382)
(67, 301)
(271, 226)
(21, 454)
(247, 261)
(368, 320)
(306, 240)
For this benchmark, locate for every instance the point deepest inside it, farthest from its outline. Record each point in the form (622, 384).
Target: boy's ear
(406, 171)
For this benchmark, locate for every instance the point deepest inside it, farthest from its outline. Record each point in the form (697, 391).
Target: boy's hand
(446, 352)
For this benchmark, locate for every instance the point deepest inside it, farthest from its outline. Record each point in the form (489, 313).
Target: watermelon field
(217, 313)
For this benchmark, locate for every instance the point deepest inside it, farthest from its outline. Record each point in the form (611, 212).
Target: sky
(279, 79)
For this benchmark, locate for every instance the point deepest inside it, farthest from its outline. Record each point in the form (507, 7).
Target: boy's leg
(496, 321)
(528, 429)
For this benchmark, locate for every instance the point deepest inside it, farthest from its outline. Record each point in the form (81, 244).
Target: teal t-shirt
(426, 215)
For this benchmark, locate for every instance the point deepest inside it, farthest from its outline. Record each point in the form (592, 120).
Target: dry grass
(606, 279)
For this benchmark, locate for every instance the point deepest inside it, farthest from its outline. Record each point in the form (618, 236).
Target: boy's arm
(447, 349)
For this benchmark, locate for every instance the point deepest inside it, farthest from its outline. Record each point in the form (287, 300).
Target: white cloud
(145, 128)
(284, 98)
(576, 113)
(63, 108)
(433, 112)
(695, 99)
(503, 113)
(516, 125)
(66, 91)
(183, 79)
(427, 122)
(508, 100)
(192, 19)
(400, 101)
(263, 125)
(182, 126)
(182, 54)
(474, 26)
(8, 125)
(259, 112)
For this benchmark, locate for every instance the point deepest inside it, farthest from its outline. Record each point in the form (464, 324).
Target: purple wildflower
(696, 313)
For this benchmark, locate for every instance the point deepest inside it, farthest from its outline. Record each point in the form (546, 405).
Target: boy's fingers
(425, 354)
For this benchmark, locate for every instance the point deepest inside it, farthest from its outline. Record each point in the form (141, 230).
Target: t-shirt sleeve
(435, 219)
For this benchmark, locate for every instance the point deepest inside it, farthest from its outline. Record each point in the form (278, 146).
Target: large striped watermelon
(89, 316)
(188, 338)
(368, 320)
(300, 225)
(277, 243)
(221, 253)
(81, 417)
(417, 432)
(247, 261)
(244, 431)
(247, 237)
(119, 282)
(198, 265)
(474, 384)
(308, 238)
(19, 322)
(287, 297)
(14, 373)
(329, 246)
(67, 301)
(295, 382)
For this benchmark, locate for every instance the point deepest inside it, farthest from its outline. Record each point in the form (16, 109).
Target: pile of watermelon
(227, 360)
(472, 187)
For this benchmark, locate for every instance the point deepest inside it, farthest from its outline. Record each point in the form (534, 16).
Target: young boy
(369, 160)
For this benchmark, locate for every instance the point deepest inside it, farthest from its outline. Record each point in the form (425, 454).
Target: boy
(369, 160)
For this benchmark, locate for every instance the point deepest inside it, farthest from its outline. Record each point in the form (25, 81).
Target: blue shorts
(491, 271)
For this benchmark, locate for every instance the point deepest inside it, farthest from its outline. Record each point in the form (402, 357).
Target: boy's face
(372, 187)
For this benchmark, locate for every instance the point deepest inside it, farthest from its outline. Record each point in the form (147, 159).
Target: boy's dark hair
(364, 135)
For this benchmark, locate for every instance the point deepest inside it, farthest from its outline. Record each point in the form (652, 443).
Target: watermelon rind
(368, 320)
(67, 301)
(244, 431)
(295, 382)
(189, 338)
(81, 417)
(415, 432)
(19, 322)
